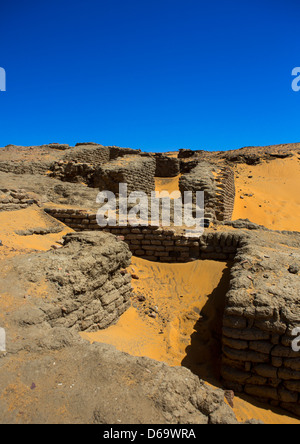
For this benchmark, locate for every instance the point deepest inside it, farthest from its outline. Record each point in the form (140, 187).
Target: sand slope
(270, 193)
(189, 298)
(177, 294)
(31, 218)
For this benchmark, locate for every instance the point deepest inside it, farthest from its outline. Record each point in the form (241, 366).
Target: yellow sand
(179, 292)
(175, 336)
(276, 199)
(247, 408)
(181, 340)
(164, 185)
(31, 217)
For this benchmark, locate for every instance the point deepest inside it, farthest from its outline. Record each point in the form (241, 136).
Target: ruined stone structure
(218, 186)
(90, 154)
(16, 199)
(225, 194)
(166, 166)
(105, 167)
(262, 309)
(88, 286)
(73, 172)
(136, 171)
(155, 243)
(262, 306)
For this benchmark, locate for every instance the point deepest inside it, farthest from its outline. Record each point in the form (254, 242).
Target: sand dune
(268, 193)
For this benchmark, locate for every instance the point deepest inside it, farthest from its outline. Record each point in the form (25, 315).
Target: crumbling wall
(116, 151)
(136, 171)
(225, 194)
(30, 159)
(71, 171)
(262, 306)
(202, 178)
(24, 167)
(87, 285)
(218, 186)
(79, 164)
(262, 310)
(166, 166)
(159, 244)
(92, 154)
(16, 199)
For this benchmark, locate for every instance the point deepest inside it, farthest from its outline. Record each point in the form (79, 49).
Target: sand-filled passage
(268, 193)
(187, 302)
(176, 314)
(164, 185)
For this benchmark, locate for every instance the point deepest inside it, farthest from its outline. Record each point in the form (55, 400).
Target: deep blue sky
(151, 74)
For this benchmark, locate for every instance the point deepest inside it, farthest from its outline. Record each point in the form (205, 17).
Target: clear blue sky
(151, 74)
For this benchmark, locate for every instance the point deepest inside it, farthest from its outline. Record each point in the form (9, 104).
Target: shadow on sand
(203, 355)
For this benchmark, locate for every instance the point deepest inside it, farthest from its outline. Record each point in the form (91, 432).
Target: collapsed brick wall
(136, 171)
(202, 178)
(16, 199)
(30, 159)
(71, 171)
(88, 285)
(79, 163)
(166, 166)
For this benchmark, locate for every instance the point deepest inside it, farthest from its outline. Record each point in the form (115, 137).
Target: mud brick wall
(91, 286)
(218, 186)
(202, 178)
(225, 195)
(13, 199)
(261, 307)
(116, 152)
(59, 146)
(72, 172)
(90, 154)
(159, 244)
(17, 167)
(138, 172)
(187, 166)
(258, 358)
(166, 166)
(185, 153)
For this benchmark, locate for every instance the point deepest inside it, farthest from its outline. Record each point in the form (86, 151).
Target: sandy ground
(184, 301)
(11, 222)
(268, 193)
(167, 185)
(175, 295)
(189, 299)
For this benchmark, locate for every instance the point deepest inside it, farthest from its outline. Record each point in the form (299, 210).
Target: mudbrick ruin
(63, 275)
